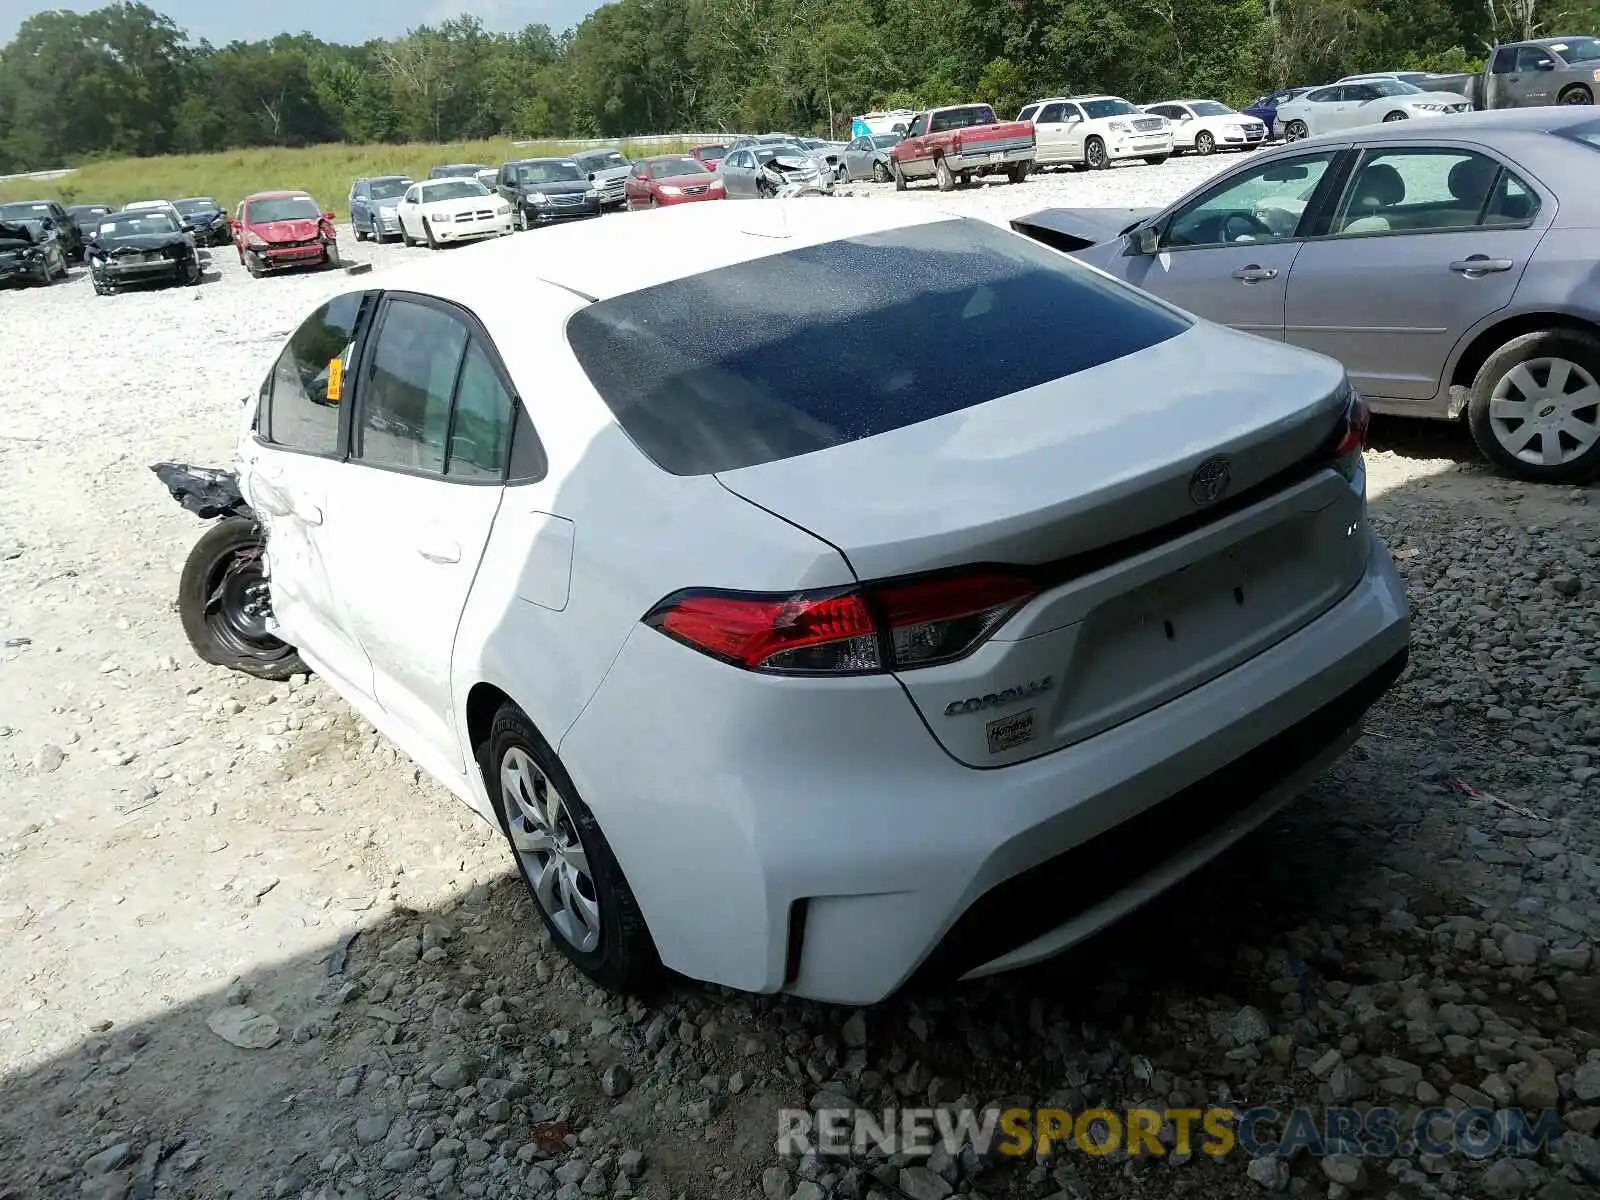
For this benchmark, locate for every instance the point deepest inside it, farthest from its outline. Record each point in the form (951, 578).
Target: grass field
(324, 171)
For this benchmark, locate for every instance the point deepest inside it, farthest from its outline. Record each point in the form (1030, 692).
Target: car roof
(602, 259)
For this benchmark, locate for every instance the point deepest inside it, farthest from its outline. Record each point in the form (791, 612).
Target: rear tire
(1295, 131)
(1017, 172)
(361, 234)
(551, 831)
(1155, 160)
(1094, 154)
(222, 579)
(945, 176)
(1492, 431)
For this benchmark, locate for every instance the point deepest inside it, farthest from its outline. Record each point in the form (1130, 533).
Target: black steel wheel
(225, 604)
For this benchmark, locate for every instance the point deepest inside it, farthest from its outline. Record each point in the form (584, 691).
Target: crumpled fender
(205, 491)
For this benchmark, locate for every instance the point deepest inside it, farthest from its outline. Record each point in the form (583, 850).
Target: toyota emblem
(1210, 481)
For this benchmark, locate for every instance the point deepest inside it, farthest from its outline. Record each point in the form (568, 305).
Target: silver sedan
(867, 157)
(1452, 265)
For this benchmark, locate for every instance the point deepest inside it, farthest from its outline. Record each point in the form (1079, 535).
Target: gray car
(867, 157)
(608, 170)
(1453, 266)
(759, 172)
(374, 204)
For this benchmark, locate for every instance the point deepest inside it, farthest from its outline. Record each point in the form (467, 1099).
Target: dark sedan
(1265, 108)
(87, 217)
(29, 254)
(206, 219)
(55, 219)
(545, 191)
(143, 246)
(1452, 265)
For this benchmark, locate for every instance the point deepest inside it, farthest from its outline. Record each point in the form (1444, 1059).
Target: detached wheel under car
(1534, 410)
(224, 603)
(565, 860)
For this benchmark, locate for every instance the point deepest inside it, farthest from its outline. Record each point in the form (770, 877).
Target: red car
(273, 230)
(710, 155)
(671, 179)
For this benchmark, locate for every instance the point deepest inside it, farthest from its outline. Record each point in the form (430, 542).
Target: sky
(220, 23)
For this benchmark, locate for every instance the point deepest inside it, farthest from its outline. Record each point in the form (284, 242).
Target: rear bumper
(826, 808)
(976, 156)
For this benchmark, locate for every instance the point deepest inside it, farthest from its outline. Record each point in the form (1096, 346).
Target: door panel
(431, 427)
(1391, 303)
(293, 479)
(1242, 286)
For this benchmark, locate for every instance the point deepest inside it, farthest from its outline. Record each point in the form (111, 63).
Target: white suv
(807, 610)
(1096, 131)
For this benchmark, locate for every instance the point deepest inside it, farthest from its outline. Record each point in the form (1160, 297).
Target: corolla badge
(1210, 481)
(972, 704)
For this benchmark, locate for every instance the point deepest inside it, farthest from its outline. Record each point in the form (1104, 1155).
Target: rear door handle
(440, 552)
(1255, 273)
(1480, 264)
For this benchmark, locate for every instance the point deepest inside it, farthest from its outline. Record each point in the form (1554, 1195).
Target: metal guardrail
(654, 139)
(38, 175)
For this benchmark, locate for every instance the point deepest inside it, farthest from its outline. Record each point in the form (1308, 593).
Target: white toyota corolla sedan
(822, 594)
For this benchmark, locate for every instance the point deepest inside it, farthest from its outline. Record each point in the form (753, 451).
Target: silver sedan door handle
(440, 552)
(1480, 264)
(1255, 273)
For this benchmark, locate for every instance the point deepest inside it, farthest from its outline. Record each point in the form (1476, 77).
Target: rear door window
(778, 357)
(405, 398)
(300, 405)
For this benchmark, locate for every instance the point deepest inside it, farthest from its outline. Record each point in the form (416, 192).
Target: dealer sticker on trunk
(1009, 732)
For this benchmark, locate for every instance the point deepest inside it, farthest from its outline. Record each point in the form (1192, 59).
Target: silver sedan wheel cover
(545, 838)
(1546, 411)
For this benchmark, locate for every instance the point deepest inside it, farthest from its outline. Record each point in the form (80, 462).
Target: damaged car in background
(765, 172)
(941, 701)
(30, 253)
(142, 246)
(205, 220)
(1451, 265)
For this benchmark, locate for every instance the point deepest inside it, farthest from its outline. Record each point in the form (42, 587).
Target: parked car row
(142, 242)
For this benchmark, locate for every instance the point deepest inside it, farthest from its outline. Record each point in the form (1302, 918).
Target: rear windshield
(824, 345)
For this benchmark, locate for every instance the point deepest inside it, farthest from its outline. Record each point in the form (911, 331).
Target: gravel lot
(181, 848)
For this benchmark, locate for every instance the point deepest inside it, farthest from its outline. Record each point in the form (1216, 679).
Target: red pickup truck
(954, 144)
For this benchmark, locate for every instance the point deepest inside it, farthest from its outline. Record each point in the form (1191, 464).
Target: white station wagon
(820, 594)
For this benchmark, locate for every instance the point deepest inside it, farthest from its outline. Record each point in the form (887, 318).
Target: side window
(1325, 95)
(1027, 114)
(939, 122)
(1260, 205)
(919, 126)
(405, 398)
(1415, 191)
(1071, 112)
(1504, 61)
(1359, 92)
(302, 412)
(1530, 58)
(1050, 113)
(481, 429)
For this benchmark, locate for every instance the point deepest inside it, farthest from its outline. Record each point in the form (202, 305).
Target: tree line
(126, 80)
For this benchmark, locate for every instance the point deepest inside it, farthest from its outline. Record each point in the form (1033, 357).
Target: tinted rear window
(828, 344)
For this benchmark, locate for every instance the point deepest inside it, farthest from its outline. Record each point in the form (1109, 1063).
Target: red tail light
(880, 627)
(1351, 433)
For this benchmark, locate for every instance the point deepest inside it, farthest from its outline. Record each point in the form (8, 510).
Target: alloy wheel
(1546, 411)
(1294, 131)
(546, 841)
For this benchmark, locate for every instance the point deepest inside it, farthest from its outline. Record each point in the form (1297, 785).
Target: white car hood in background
(1061, 468)
(461, 204)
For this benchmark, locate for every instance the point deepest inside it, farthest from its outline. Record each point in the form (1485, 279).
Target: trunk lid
(1087, 483)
